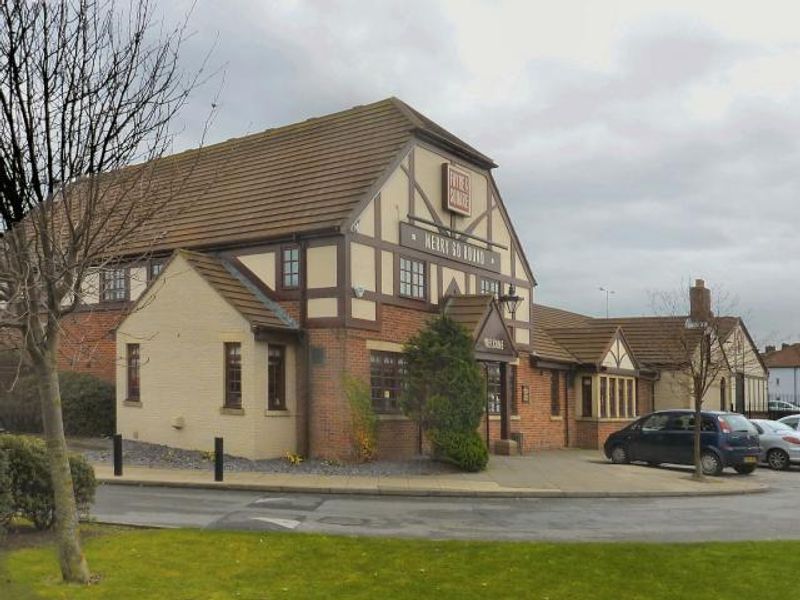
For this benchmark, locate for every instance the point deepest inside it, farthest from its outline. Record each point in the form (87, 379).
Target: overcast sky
(639, 146)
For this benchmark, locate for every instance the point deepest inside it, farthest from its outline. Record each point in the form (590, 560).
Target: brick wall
(345, 351)
(88, 343)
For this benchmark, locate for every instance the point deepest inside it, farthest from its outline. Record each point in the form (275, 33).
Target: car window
(738, 423)
(655, 423)
(685, 422)
(776, 427)
(791, 422)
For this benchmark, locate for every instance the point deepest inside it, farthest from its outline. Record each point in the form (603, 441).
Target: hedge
(27, 477)
(88, 405)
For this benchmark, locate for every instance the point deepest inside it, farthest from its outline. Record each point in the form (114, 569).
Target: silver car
(780, 443)
(792, 421)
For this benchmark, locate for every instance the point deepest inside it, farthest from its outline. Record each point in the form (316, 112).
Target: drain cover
(344, 521)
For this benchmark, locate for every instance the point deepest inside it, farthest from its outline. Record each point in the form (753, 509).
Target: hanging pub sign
(456, 190)
(431, 242)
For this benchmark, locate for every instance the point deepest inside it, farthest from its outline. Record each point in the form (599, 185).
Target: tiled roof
(654, 341)
(785, 357)
(304, 177)
(252, 304)
(588, 343)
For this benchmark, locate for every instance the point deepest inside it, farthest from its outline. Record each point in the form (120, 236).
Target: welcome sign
(431, 242)
(456, 190)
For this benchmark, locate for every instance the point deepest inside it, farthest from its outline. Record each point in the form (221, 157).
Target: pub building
(307, 252)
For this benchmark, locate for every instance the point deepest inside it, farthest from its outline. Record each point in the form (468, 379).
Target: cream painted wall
(449, 275)
(522, 336)
(394, 206)
(182, 372)
(90, 291)
(362, 266)
(617, 357)
(318, 308)
(366, 221)
(138, 281)
(433, 280)
(321, 267)
(387, 273)
(262, 265)
(363, 309)
(501, 235)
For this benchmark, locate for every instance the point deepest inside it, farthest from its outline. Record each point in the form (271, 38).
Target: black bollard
(218, 459)
(117, 455)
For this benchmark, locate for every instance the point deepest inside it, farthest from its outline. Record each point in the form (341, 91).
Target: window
(133, 372)
(114, 285)
(387, 370)
(603, 397)
(290, 267)
(276, 378)
(155, 270)
(494, 388)
(490, 286)
(586, 396)
(631, 401)
(233, 375)
(613, 410)
(555, 394)
(412, 278)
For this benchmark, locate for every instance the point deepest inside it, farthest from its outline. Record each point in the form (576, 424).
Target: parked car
(792, 421)
(727, 440)
(782, 406)
(780, 444)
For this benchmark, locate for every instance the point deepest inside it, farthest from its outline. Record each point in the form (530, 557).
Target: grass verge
(201, 565)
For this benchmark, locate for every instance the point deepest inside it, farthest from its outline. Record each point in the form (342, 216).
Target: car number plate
(750, 459)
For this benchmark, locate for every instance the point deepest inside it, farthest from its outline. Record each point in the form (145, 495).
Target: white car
(792, 421)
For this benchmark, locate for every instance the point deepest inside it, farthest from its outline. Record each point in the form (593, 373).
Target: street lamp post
(608, 292)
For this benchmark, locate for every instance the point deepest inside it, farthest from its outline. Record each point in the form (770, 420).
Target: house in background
(612, 360)
(784, 374)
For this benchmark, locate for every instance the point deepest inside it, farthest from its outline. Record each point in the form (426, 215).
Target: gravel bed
(164, 457)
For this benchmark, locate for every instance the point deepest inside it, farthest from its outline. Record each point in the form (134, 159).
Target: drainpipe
(306, 347)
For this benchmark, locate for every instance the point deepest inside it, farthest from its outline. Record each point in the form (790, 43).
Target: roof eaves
(276, 308)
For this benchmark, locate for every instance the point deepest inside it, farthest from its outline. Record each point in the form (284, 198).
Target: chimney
(784, 346)
(769, 349)
(699, 302)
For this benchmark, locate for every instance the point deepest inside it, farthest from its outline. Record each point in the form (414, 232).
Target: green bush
(465, 449)
(30, 483)
(365, 423)
(88, 405)
(445, 392)
(6, 499)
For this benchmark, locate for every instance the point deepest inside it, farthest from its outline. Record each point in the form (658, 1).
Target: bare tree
(699, 348)
(86, 90)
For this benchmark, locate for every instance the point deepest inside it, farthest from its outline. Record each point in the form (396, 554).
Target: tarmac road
(769, 515)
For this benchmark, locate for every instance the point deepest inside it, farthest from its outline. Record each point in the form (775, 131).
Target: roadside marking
(268, 500)
(285, 523)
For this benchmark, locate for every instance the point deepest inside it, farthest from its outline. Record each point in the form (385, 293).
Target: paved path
(769, 515)
(556, 473)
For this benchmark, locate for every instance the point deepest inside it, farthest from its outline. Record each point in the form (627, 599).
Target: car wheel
(744, 469)
(778, 459)
(619, 455)
(711, 463)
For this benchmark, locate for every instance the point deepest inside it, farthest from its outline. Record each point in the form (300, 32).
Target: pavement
(568, 473)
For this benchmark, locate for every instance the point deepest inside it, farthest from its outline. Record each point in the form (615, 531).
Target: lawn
(200, 565)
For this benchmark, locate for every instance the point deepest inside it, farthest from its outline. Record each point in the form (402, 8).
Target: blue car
(727, 440)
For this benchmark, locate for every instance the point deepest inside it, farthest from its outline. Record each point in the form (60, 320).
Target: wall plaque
(431, 242)
(456, 190)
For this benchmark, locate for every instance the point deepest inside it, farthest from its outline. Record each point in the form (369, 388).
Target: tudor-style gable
(467, 249)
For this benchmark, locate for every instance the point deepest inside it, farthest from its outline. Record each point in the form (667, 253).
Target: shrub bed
(27, 478)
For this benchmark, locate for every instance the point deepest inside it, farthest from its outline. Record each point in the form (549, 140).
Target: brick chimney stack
(699, 302)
